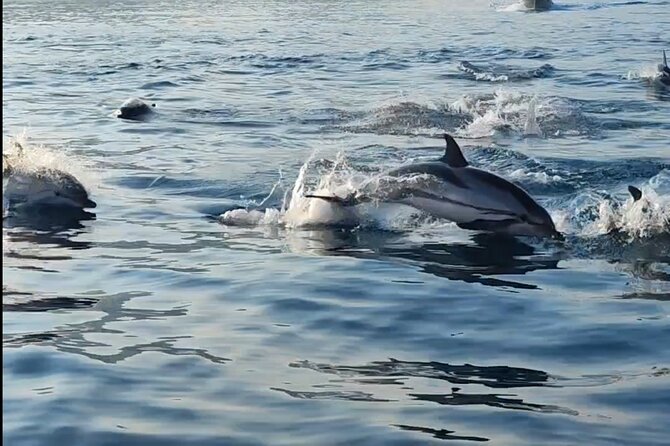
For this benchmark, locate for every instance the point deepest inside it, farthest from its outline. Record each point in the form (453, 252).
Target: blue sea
(205, 301)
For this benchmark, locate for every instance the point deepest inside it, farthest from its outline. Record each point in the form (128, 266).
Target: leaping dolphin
(450, 188)
(43, 187)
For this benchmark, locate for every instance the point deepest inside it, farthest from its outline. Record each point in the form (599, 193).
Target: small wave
(477, 116)
(505, 52)
(158, 85)
(209, 116)
(522, 175)
(502, 73)
(259, 60)
(512, 112)
(407, 118)
(435, 56)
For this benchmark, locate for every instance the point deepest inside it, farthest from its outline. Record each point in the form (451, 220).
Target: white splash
(537, 177)
(593, 214)
(648, 73)
(514, 7)
(300, 211)
(512, 111)
(26, 157)
(531, 126)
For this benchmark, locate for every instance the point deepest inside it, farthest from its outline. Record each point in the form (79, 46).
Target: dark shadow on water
(487, 256)
(405, 374)
(497, 377)
(440, 434)
(332, 395)
(455, 398)
(41, 304)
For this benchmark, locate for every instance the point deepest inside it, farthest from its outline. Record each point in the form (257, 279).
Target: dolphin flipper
(635, 192)
(453, 155)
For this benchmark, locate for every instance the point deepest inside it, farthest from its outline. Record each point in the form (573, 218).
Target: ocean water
(206, 302)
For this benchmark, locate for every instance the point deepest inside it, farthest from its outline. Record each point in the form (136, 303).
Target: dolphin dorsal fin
(635, 192)
(665, 60)
(453, 155)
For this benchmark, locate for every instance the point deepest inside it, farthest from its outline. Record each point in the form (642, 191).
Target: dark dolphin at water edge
(538, 5)
(450, 188)
(664, 76)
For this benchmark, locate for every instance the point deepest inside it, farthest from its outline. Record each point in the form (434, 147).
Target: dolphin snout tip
(90, 204)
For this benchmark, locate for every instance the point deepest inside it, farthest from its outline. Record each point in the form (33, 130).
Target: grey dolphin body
(538, 5)
(43, 187)
(449, 188)
(135, 109)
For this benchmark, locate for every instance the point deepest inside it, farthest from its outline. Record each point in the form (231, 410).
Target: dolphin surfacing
(42, 187)
(135, 109)
(451, 189)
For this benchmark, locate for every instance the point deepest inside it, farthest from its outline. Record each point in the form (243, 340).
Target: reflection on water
(457, 398)
(331, 395)
(48, 227)
(488, 376)
(440, 434)
(48, 218)
(404, 373)
(72, 338)
(33, 303)
(487, 255)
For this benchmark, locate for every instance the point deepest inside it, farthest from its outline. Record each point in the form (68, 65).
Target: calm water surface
(153, 323)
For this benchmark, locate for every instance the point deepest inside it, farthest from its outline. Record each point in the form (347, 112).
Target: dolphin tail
(635, 192)
(350, 200)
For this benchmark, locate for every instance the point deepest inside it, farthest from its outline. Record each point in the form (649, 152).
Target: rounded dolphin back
(135, 109)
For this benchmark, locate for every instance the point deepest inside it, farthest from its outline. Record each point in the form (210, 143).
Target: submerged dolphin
(43, 187)
(449, 188)
(538, 5)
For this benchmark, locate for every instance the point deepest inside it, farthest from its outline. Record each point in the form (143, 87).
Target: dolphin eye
(57, 194)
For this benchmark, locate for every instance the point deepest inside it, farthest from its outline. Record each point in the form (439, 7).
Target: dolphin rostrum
(42, 186)
(450, 188)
